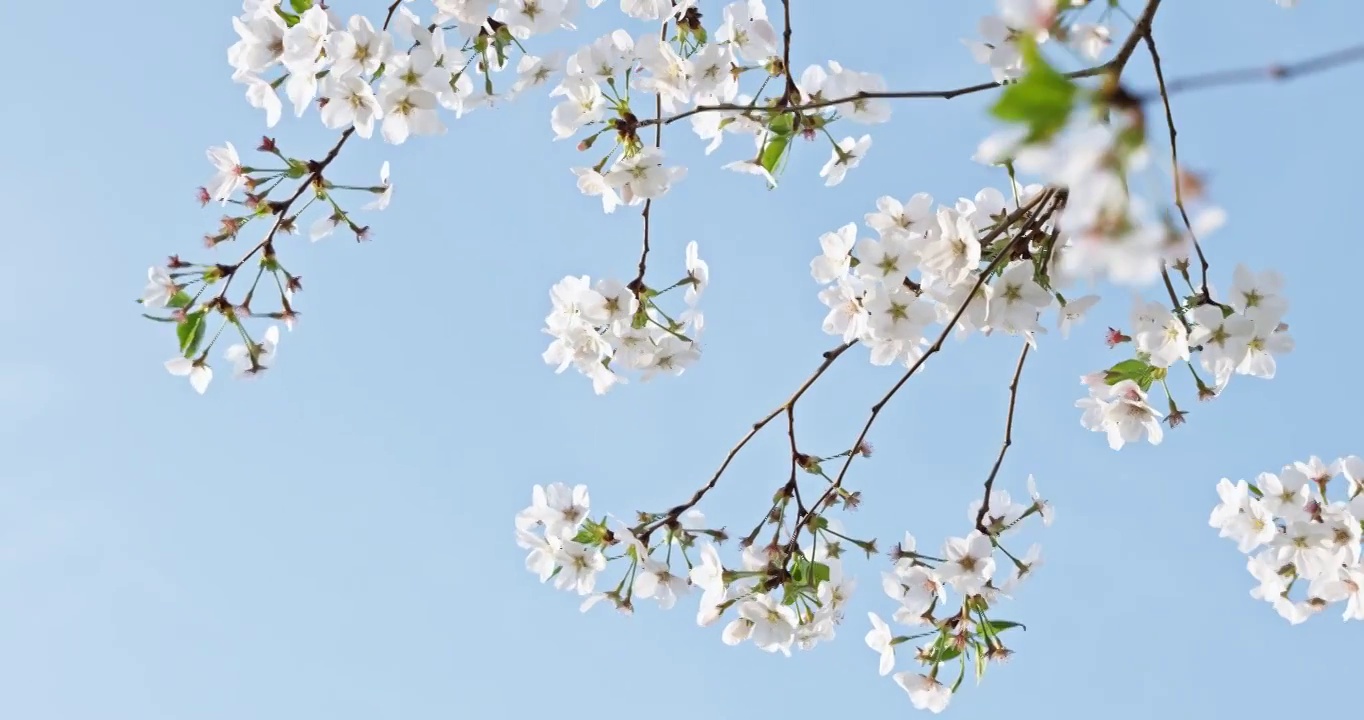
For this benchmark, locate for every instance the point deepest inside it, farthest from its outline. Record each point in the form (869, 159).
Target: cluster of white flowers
(992, 263)
(704, 70)
(319, 56)
(1299, 534)
(785, 598)
(604, 329)
(999, 33)
(922, 268)
(919, 583)
(1240, 337)
(797, 611)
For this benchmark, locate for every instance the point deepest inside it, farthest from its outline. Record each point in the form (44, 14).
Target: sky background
(334, 540)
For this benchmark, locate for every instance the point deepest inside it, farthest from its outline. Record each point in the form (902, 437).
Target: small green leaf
(782, 125)
(300, 6)
(1135, 370)
(290, 19)
(997, 626)
(772, 154)
(943, 650)
(821, 573)
(180, 299)
(191, 332)
(1042, 99)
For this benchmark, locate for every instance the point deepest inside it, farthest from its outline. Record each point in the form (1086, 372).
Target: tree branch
(829, 357)
(1174, 169)
(1004, 446)
(1276, 72)
(1033, 208)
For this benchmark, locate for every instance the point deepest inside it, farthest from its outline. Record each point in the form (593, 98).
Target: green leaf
(943, 650)
(960, 676)
(191, 332)
(821, 574)
(300, 6)
(1135, 370)
(782, 125)
(1042, 99)
(772, 154)
(180, 299)
(290, 19)
(995, 627)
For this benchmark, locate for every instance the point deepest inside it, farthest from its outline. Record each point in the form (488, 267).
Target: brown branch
(638, 285)
(864, 95)
(1004, 446)
(314, 176)
(829, 357)
(1035, 205)
(281, 209)
(792, 486)
(391, 9)
(1114, 66)
(1178, 176)
(1276, 72)
(1139, 31)
(791, 93)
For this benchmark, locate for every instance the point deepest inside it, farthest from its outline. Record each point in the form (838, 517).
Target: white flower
(969, 562)
(199, 374)
(846, 155)
(835, 259)
(925, 693)
(230, 175)
(879, 639)
(773, 624)
(258, 357)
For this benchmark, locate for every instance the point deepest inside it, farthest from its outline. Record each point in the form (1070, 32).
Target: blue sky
(335, 539)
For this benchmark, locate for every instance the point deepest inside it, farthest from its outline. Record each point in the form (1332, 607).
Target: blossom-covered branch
(1063, 213)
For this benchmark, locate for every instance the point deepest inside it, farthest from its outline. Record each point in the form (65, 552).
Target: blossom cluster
(360, 76)
(1240, 337)
(920, 583)
(702, 70)
(794, 597)
(925, 267)
(783, 598)
(993, 263)
(1301, 528)
(606, 328)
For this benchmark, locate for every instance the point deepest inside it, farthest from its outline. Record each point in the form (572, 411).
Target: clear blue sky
(335, 540)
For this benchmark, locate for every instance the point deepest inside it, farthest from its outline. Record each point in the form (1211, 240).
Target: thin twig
(1174, 169)
(865, 95)
(1036, 204)
(638, 285)
(1276, 72)
(1140, 30)
(829, 357)
(282, 209)
(1004, 446)
(791, 92)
